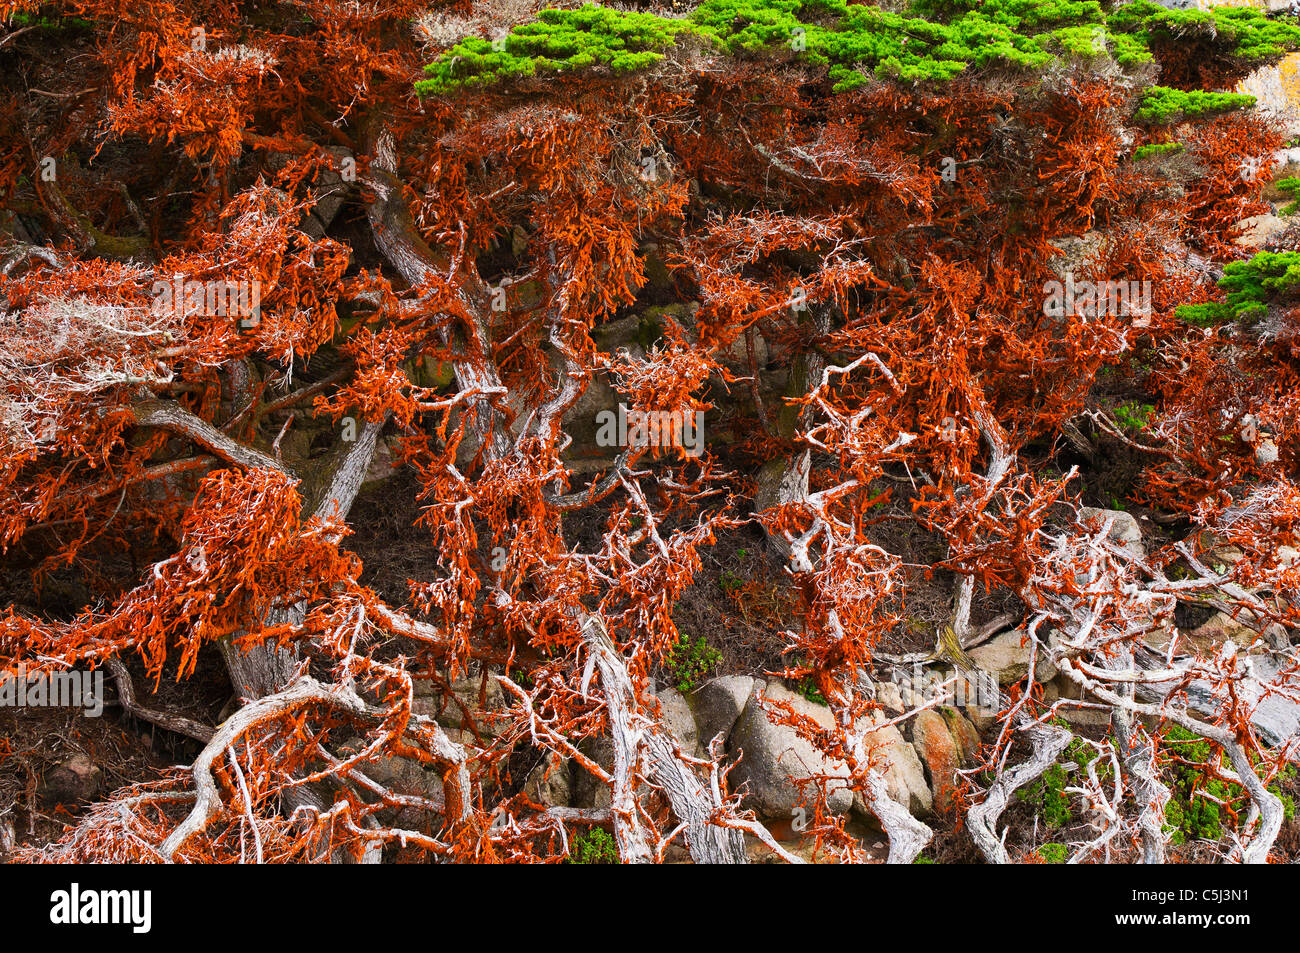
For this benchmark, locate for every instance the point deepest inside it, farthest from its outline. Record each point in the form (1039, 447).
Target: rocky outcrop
(774, 758)
(771, 760)
(1006, 658)
(946, 742)
(940, 754)
(964, 735)
(1276, 87)
(468, 695)
(1258, 230)
(72, 781)
(675, 713)
(551, 781)
(1125, 530)
(717, 705)
(902, 767)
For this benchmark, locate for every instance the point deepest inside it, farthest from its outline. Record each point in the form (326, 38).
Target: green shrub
(1205, 315)
(1164, 105)
(1251, 285)
(55, 22)
(1194, 811)
(855, 41)
(1156, 150)
(557, 40)
(690, 662)
(597, 846)
(1054, 853)
(1291, 186)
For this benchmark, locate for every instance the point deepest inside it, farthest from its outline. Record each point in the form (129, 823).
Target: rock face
(476, 697)
(718, 703)
(1007, 659)
(904, 773)
(677, 718)
(1276, 719)
(551, 782)
(938, 749)
(773, 754)
(1124, 528)
(1276, 87)
(964, 735)
(381, 465)
(1258, 229)
(1218, 629)
(946, 742)
(76, 779)
(587, 791)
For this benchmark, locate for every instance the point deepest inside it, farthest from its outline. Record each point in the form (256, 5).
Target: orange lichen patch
(935, 745)
(1276, 87)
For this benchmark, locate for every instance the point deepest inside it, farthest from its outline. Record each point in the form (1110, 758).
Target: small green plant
(649, 330)
(1133, 416)
(1156, 150)
(597, 846)
(1197, 809)
(1046, 794)
(690, 662)
(807, 688)
(1291, 186)
(729, 582)
(1054, 853)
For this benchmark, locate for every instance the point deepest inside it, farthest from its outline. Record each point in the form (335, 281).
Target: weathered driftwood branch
(1048, 742)
(178, 420)
(695, 804)
(1267, 810)
(307, 691)
(126, 697)
(304, 691)
(1137, 756)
